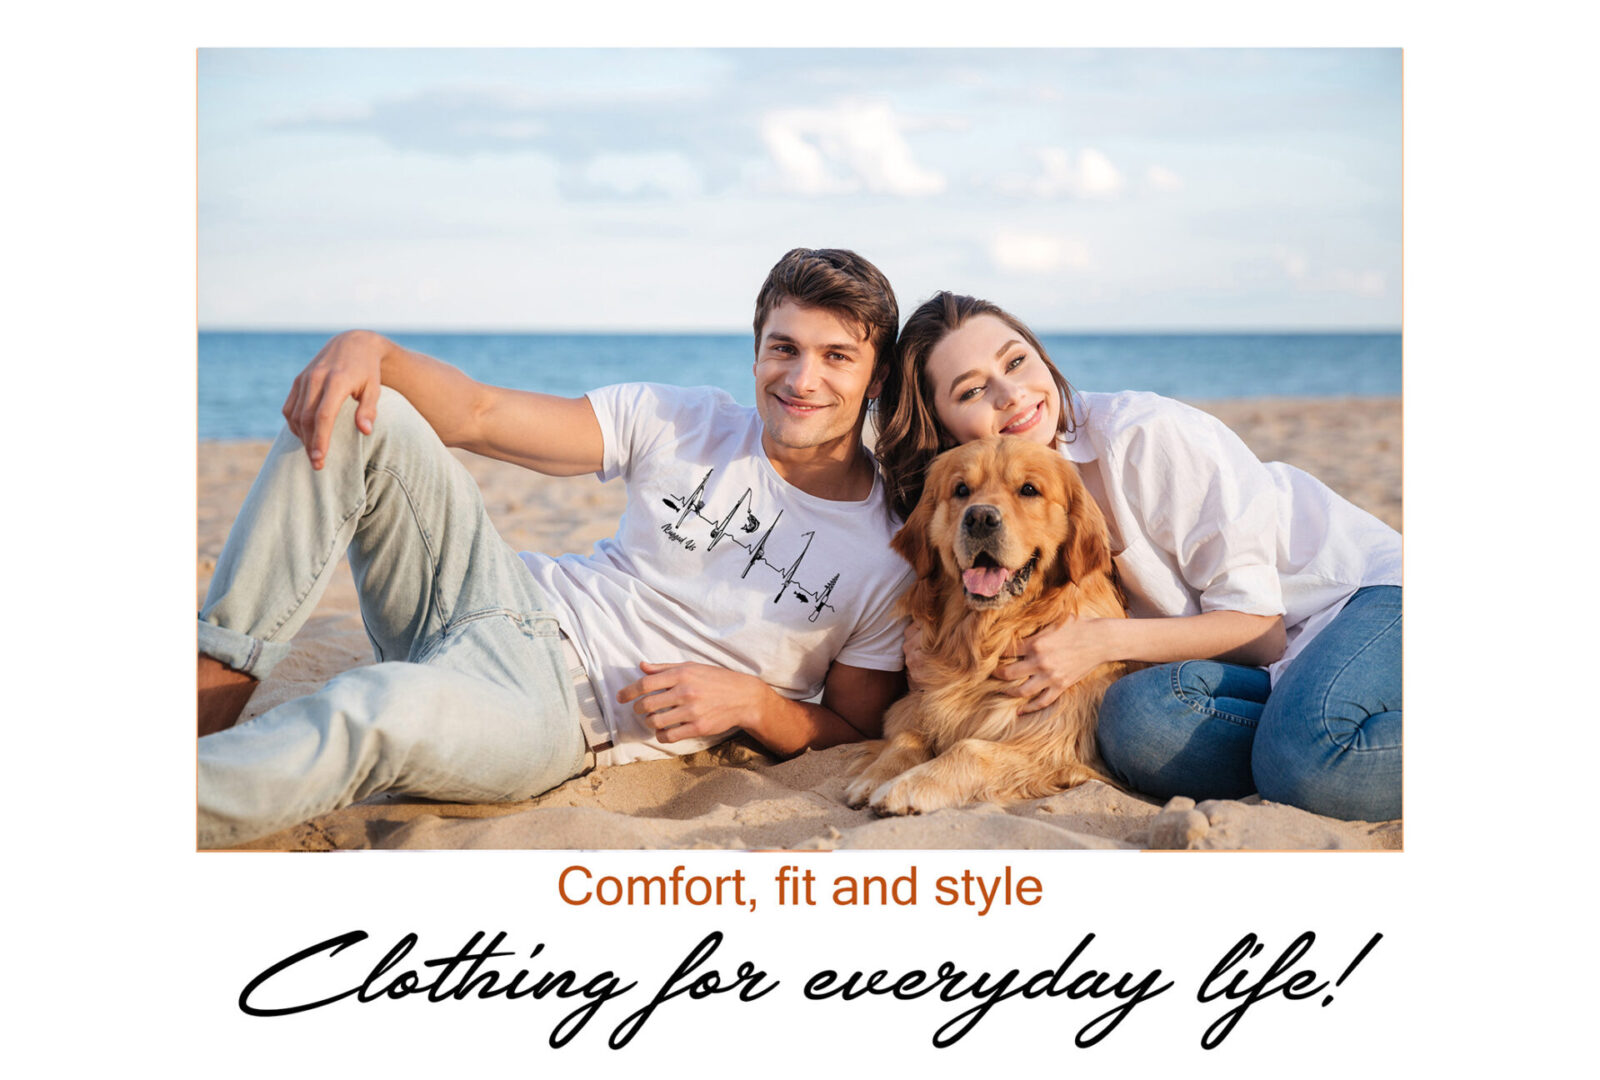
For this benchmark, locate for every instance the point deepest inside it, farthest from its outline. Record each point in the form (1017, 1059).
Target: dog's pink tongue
(982, 582)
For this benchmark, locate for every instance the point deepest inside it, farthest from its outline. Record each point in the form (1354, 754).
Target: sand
(735, 795)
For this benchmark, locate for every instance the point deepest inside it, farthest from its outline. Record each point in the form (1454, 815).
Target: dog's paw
(914, 792)
(860, 790)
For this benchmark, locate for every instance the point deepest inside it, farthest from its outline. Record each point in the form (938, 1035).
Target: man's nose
(806, 374)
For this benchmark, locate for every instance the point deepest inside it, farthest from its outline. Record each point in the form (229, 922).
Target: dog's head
(1003, 518)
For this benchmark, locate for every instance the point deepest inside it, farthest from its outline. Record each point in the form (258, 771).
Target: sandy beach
(734, 795)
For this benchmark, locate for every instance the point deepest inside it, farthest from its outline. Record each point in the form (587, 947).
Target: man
(751, 570)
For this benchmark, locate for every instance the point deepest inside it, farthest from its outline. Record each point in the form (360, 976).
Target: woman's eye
(1016, 362)
(1028, 490)
(962, 490)
(970, 393)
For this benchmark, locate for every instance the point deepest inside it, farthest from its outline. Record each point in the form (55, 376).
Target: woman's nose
(1005, 392)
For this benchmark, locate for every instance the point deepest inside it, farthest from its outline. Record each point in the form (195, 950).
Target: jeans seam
(1322, 707)
(427, 538)
(1184, 697)
(316, 574)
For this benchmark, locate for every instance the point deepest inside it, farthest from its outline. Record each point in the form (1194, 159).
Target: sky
(651, 189)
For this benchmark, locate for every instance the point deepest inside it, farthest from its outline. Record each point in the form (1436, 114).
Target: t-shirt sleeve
(879, 642)
(638, 420)
(1210, 502)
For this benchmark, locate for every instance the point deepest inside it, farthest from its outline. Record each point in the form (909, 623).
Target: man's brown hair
(840, 282)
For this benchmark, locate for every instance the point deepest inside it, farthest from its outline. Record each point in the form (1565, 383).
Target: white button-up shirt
(1199, 524)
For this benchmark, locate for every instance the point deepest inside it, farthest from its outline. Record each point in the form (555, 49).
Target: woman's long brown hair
(909, 433)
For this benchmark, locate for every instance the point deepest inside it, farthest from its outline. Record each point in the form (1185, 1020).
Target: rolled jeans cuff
(241, 652)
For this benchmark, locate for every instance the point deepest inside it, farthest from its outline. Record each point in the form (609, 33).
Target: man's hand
(348, 366)
(1050, 661)
(683, 701)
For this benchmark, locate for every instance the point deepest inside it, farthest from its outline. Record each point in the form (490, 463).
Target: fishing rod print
(731, 526)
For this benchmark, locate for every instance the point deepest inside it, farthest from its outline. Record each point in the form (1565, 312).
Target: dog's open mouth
(987, 580)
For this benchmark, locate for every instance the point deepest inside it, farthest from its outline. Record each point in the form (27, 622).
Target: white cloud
(851, 147)
(1097, 177)
(1037, 253)
(1090, 176)
(1163, 179)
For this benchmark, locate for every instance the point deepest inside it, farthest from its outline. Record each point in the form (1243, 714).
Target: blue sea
(244, 376)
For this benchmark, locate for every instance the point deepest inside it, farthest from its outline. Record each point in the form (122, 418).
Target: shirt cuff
(1253, 590)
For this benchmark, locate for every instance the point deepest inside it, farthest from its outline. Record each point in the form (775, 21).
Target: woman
(1268, 606)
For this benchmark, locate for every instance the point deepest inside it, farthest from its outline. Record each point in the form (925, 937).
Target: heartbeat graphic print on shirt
(742, 518)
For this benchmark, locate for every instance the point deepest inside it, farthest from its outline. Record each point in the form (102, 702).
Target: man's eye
(1028, 490)
(962, 490)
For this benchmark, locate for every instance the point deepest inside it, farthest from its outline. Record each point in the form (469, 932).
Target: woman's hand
(917, 673)
(1050, 661)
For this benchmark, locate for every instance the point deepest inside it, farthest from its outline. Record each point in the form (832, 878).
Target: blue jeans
(1326, 738)
(470, 700)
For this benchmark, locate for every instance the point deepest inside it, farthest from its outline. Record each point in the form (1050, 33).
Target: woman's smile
(1028, 420)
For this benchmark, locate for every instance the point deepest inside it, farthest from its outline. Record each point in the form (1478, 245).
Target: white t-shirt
(1199, 524)
(719, 560)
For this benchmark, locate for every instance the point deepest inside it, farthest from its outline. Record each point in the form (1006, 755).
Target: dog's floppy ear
(925, 599)
(912, 541)
(1087, 551)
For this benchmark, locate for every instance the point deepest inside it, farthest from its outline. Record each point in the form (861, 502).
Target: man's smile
(797, 407)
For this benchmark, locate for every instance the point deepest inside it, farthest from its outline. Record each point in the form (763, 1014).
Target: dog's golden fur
(960, 739)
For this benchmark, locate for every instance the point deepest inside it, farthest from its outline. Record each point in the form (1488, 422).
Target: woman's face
(987, 380)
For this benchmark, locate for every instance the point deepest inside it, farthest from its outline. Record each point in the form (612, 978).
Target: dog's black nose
(980, 520)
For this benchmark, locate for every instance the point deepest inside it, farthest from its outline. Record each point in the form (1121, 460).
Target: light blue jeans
(470, 700)
(1326, 738)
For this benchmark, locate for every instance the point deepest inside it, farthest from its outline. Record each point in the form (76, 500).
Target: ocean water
(245, 376)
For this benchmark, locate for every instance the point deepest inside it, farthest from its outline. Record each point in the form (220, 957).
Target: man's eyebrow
(779, 335)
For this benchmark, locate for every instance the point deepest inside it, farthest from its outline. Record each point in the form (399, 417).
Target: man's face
(813, 374)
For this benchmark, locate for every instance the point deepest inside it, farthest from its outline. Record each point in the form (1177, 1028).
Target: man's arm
(683, 701)
(554, 435)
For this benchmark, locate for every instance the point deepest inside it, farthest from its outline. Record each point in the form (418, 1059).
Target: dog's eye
(1028, 490)
(962, 490)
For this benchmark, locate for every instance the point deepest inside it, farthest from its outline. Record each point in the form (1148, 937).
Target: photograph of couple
(960, 449)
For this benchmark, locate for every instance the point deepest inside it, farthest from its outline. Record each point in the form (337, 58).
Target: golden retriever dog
(1005, 541)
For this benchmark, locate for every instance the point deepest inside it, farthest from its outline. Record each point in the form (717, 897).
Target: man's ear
(875, 387)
